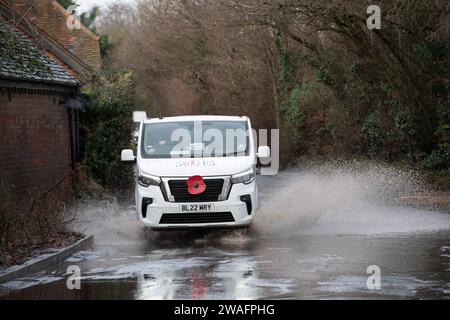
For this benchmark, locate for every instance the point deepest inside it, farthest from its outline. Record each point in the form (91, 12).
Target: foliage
(107, 127)
(290, 112)
(372, 133)
(67, 3)
(317, 72)
(289, 93)
(105, 45)
(438, 159)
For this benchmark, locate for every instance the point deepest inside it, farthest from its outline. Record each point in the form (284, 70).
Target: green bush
(439, 159)
(372, 133)
(108, 127)
(289, 109)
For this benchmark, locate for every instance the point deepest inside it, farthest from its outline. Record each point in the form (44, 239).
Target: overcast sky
(88, 4)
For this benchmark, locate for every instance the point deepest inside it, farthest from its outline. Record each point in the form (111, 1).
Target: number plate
(197, 207)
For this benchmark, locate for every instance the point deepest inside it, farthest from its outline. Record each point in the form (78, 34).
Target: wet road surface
(324, 252)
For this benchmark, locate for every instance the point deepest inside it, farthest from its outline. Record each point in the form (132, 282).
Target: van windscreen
(195, 139)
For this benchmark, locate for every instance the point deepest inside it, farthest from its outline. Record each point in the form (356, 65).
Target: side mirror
(263, 152)
(128, 155)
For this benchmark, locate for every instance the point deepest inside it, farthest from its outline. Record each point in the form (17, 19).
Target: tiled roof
(51, 18)
(21, 60)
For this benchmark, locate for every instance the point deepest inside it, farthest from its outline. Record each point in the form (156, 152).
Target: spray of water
(109, 222)
(346, 199)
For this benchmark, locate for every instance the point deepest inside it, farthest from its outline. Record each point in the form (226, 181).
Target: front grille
(178, 189)
(210, 217)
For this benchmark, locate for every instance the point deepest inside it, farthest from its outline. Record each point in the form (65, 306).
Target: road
(315, 236)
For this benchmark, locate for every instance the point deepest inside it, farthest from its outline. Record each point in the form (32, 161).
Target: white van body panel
(202, 167)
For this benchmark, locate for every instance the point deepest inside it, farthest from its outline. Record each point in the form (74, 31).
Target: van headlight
(146, 180)
(245, 177)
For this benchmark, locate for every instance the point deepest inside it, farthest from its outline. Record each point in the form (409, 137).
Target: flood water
(315, 236)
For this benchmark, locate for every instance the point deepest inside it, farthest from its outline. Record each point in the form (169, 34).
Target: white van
(196, 171)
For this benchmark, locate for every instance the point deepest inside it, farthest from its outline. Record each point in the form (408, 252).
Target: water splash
(109, 222)
(344, 200)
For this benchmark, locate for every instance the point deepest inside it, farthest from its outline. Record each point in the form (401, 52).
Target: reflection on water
(302, 268)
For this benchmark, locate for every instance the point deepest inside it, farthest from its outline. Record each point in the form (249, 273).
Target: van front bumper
(161, 214)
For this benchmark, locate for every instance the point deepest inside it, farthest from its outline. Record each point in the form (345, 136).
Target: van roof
(199, 117)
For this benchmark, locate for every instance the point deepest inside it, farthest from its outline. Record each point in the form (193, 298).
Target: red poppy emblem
(196, 185)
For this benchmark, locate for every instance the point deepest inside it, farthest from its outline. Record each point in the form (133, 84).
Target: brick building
(40, 80)
(51, 18)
